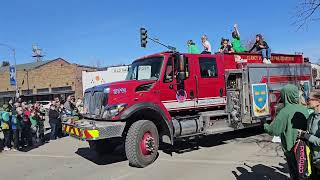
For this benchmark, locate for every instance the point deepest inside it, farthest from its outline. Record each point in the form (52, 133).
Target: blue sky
(85, 32)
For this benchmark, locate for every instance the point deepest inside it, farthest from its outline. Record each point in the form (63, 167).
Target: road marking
(38, 155)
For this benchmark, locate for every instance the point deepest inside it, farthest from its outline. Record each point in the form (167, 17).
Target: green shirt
(193, 49)
(33, 120)
(236, 45)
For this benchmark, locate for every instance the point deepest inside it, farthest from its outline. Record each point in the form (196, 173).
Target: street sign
(13, 80)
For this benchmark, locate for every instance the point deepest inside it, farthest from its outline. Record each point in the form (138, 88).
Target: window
(44, 90)
(145, 69)
(168, 76)
(61, 89)
(208, 67)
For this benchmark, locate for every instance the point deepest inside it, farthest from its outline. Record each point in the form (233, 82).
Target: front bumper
(86, 129)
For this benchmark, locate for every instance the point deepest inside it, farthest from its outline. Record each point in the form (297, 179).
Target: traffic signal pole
(158, 42)
(144, 37)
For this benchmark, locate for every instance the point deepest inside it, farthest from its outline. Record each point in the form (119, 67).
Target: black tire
(132, 145)
(103, 146)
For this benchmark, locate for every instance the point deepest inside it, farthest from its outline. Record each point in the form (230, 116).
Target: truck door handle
(191, 94)
(171, 86)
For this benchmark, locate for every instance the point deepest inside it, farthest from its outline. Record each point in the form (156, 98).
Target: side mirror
(182, 74)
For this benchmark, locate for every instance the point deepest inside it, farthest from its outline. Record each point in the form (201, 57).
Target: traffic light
(143, 37)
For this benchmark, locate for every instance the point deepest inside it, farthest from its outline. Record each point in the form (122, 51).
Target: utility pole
(15, 66)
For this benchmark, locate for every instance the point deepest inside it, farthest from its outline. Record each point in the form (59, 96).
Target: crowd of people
(260, 46)
(23, 126)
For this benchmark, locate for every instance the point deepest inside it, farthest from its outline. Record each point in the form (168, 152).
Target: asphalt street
(244, 155)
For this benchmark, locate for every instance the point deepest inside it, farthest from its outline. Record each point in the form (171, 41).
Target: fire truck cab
(169, 96)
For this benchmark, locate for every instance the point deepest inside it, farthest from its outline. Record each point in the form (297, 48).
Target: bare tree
(307, 11)
(5, 63)
(248, 43)
(97, 63)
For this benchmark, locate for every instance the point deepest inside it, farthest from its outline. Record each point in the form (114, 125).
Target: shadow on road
(259, 172)
(87, 153)
(182, 146)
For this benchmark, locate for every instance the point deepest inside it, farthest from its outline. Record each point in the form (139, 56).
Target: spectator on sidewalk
(53, 121)
(283, 125)
(34, 119)
(69, 105)
(5, 126)
(206, 45)
(16, 120)
(26, 136)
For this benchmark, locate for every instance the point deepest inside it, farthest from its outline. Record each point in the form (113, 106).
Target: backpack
(302, 154)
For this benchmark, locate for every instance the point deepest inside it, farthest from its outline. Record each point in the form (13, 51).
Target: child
(206, 45)
(192, 48)
(236, 43)
(261, 46)
(225, 46)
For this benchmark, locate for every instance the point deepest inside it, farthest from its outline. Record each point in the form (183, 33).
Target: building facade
(44, 80)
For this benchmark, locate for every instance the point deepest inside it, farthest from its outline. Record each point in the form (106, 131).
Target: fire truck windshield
(145, 69)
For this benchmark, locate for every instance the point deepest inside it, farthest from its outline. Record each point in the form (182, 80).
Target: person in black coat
(53, 121)
(262, 47)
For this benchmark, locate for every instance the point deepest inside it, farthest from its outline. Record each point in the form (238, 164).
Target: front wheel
(142, 143)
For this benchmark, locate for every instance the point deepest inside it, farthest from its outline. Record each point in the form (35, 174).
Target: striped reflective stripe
(84, 134)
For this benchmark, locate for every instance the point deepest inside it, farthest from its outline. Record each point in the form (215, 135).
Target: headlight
(114, 110)
(106, 90)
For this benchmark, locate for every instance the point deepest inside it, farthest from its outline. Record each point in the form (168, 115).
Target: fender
(147, 105)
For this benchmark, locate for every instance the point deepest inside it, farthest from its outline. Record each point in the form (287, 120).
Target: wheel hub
(147, 144)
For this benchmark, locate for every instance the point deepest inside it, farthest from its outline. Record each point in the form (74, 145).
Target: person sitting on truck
(192, 48)
(206, 45)
(261, 46)
(236, 43)
(283, 125)
(225, 46)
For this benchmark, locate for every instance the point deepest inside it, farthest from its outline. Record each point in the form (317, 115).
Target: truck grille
(94, 103)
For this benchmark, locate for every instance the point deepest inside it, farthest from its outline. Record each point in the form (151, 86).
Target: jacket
(283, 124)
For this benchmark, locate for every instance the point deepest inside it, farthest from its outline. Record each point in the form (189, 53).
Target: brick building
(44, 80)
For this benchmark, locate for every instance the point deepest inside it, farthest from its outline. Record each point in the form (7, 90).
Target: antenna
(37, 53)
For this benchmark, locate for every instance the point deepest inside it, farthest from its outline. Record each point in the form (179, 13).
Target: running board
(219, 126)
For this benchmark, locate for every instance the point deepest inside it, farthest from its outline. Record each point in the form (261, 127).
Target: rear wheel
(142, 143)
(103, 146)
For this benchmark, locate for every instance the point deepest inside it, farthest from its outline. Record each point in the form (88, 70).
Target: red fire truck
(170, 96)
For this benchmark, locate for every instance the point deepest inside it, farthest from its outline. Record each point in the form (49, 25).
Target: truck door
(174, 95)
(210, 82)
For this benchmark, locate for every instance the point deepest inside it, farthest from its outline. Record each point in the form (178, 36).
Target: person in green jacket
(284, 124)
(192, 48)
(236, 43)
(5, 126)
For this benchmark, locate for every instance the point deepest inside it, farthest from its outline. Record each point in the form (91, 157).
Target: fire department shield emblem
(260, 102)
